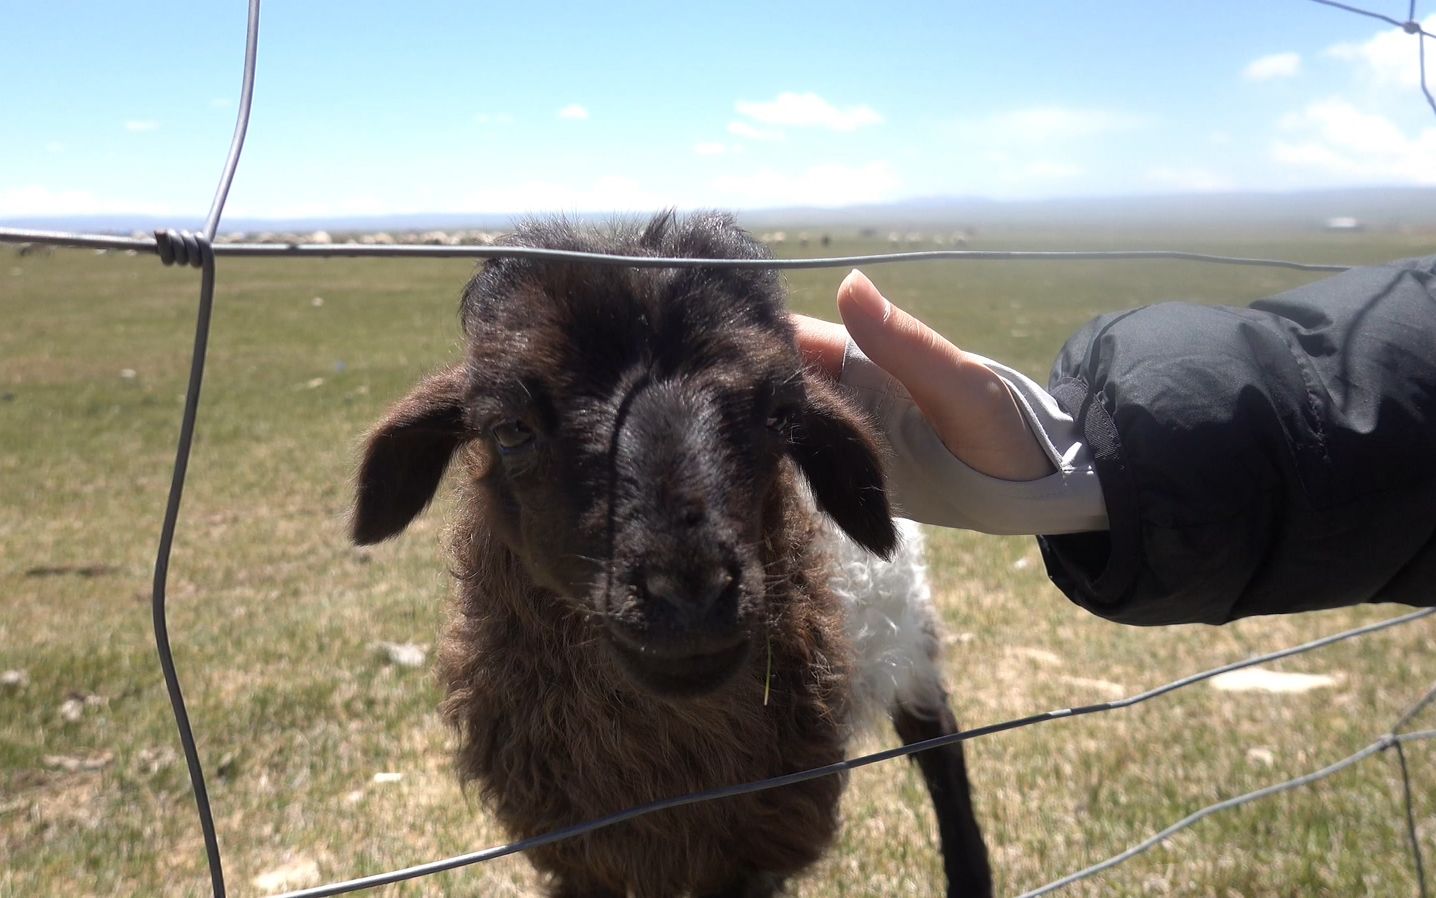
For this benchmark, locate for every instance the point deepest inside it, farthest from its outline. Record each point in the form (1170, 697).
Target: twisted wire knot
(183, 247)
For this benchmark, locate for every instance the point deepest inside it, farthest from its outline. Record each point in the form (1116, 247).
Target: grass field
(274, 615)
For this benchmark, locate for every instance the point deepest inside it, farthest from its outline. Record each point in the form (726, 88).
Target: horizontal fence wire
(1393, 739)
(464, 860)
(199, 250)
(1411, 26)
(363, 250)
(1190, 820)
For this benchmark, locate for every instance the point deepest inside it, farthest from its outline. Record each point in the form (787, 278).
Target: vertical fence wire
(1411, 832)
(1411, 26)
(197, 250)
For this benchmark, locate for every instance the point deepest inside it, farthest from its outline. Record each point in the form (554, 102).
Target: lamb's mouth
(677, 675)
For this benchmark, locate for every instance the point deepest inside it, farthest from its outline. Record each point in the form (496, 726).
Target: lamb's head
(635, 434)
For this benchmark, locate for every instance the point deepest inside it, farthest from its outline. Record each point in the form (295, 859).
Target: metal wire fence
(199, 250)
(1410, 25)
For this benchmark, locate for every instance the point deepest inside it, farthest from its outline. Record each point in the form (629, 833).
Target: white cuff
(927, 483)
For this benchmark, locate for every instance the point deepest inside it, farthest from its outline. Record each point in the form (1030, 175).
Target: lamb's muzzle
(684, 595)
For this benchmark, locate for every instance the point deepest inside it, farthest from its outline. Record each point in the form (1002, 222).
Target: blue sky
(364, 108)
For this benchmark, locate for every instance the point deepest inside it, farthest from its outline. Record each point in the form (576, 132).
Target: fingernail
(872, 302)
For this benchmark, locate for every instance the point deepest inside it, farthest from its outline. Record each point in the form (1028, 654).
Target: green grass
(273, 614)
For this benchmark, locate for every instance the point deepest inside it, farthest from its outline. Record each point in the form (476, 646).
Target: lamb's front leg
(750, 885)
(964, 854)
(577, 886)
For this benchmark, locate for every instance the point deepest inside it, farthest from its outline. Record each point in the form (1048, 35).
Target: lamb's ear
(406, 456)
(840, 459)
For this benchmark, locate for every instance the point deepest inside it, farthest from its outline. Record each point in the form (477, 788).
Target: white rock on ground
(404, 654)
(295, 874)
(1259, 679)
(74, 707)
(1262, 756)
(71, 764)
(1043, 657)
(1105, 687)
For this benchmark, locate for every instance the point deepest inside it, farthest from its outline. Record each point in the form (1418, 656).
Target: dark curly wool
(637, 565)
(555, 734)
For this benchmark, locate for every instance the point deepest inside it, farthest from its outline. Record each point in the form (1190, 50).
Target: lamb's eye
(512, 435)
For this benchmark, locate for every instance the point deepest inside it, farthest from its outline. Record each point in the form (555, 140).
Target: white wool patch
(1257, 679)
(891, 622)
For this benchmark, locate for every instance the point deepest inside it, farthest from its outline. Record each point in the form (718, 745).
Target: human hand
(967, 404)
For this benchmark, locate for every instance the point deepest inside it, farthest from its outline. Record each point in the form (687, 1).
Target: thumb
(966, 403)
(919, 357)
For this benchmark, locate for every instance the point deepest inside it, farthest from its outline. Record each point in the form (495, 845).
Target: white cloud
(282, 203)
(1189, 178)
(752, 132)
(610, 193)
(709, 148)
(139, 126)
(1335, 137)
(1043, 125)
(1277, 65)
(808, 110)
(574, 112)
(1049, 170)
(34, 200)
(1389, 58)
(820, 185)
(1036, 150)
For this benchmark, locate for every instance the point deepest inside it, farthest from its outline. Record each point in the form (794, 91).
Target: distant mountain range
(1373, 207)
(1377, 208)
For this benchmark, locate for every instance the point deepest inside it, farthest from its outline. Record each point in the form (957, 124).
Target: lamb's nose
(692, 596)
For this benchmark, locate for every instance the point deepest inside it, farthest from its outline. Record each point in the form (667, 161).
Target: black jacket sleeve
(1264, 460)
